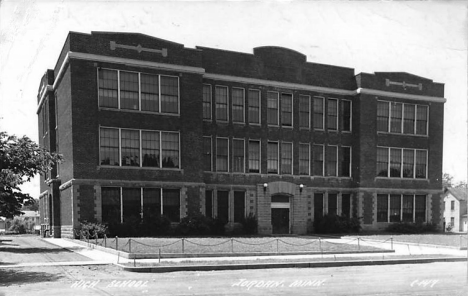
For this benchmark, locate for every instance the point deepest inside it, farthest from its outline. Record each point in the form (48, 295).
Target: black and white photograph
(233, 147)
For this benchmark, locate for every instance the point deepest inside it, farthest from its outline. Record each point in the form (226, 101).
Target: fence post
(358, 243)
(183, 247)
(96, 237)
(391, 242)
(130, 245)
(105, 241)
(159, 255)
(277, 246)
(320, 244)
(232, 245)
(116, 243)
(460, 242)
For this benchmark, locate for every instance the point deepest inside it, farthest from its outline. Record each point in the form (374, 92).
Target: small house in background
(455, 214)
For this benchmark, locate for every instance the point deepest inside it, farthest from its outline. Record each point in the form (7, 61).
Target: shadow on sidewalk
(13, 276)
(38, 250)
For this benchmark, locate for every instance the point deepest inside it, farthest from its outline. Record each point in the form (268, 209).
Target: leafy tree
(33, 206)
(447, 181)
(20, 160)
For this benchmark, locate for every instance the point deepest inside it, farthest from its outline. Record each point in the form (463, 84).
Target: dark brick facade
(73, 190)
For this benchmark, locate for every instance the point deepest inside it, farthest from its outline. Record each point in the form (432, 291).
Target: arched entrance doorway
(280, 206)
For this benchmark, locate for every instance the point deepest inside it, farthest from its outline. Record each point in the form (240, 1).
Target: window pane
(171, 204)
(221, 94)
(238, 156)
(332, 160)
(130, 148)
(272, 162)
(318, 205)
(254, 157)
(170, 150)
(395, 207)
(332, 203)
(346, 205)
(395, 163)
(110, 204)
(209, 203)
(346, 161)
(333, 114)
(304, 159)
(131, 198)
(272, 115)
(408, 163)
(151, 204)
(254, 106)
(407, 208)
(421, 120)
(109, 146)
(223, 206)
(239, 206)
(420, 208)
(382, 162)
(286, 109)
(129, 91)
(383, 114)
(395, 123)
(382, 208)
(222, 155)
(150, 148)
(318, 113)
(207, 154)
(169, 94)
(409, 119)
(318, 160)
(108, 87)
(206, 101)
(237, 105)
(149, 93)
(304, 111)
(346, 116)
(286, 158)
(421, 164)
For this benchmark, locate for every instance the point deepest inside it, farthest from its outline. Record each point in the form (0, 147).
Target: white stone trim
(367, 91)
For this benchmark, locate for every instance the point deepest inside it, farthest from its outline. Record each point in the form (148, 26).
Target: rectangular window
(129, 91)
(286, 109)
(207, 101)
(421, 120)
(131, 200)
(408, 163)
(111, 205)
(332, 160)
(286, 158)
(304, 111)
(272, 103)
(346, 115)
(149, 92)
(408, 208)
(318, 160)
(382, 162)
(272, 161)
(408, 121)
(395, 207)
(420, 208)
(209, 203)
(396, 117)
(254, 156)
(109, 146)
(108, 88)
(383, 116)
(221, 96)
(421, 164)
(207, 154)
(318, 205)
(452, 205)
(222, 152)
(452, 221)
(304, 159)
(346, 161)
(169, 94)
(223, 206)
(318, 113)
(332, 122)
(150, 148)
(238, 155)
(171, 204)
(346, 205)
(254, 106)
(151, 204)
(130, 147)
(170, 150)
(395, 163)
(382, 208)
(239, 206)
(238, 105)
(332, 203)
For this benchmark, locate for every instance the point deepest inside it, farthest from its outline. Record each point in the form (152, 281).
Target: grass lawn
(227, 245)
(442, 239)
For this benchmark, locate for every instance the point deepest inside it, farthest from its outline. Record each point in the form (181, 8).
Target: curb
(419, 245)
(164, 269)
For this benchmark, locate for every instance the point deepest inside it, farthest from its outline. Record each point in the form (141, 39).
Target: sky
(425, 38)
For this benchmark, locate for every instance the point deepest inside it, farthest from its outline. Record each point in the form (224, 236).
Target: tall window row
(240, 156)
(121, 204)
(401, 163)
(402, 118)
(138, 91)
(139, 148)
(219, 206)
(401, 208)
(328, 204)
(245, 104)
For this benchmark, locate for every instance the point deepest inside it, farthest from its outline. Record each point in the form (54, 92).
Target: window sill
(139, 112)
(401, 179)
(402, 134)
(137, 168)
